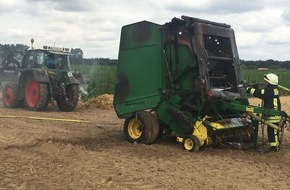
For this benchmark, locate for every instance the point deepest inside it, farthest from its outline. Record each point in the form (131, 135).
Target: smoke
(83, 89)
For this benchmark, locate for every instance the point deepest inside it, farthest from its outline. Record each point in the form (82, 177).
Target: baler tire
(69, 101)
(35, 95)
(10, 95)
(191, 143)
(141, 127)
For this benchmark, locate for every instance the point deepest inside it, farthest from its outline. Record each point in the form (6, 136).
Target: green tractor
(184, 78)
(43, 75)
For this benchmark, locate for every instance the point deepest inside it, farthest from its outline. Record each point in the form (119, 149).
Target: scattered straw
(104, 101)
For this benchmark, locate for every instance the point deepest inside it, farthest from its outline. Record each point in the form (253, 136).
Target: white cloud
(261, 26)
(63, 5)
(213, 6)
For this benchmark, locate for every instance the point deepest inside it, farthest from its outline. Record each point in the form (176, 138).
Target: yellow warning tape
(45, 118)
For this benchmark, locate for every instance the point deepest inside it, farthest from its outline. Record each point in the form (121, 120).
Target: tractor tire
(35, 95)
(69, 101)
(191, 143)
(141, 127)
(10, 96)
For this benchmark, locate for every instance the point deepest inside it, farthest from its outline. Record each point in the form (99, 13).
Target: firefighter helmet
(271, 78)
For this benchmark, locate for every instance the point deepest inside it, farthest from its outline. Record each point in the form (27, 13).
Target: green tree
(77, 56)
(102, 82)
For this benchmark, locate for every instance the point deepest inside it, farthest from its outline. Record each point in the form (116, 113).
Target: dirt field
(47, 154)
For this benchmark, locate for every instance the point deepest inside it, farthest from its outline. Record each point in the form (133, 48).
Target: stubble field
(50, 154)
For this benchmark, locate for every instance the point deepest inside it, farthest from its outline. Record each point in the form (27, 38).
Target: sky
(262, 27)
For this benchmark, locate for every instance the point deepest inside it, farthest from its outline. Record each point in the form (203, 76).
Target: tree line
(78, 59)
(270, 64)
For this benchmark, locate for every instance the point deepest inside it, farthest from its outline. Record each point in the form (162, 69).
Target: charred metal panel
(138, 34)
(122, 89)
(140, 77)
(217, 31)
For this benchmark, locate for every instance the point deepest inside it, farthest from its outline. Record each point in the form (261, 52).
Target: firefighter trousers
(273, 136)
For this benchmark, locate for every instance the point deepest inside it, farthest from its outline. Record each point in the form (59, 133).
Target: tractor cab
(47, 58)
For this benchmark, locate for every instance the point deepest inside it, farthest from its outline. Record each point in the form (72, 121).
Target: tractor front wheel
(35, 95)
(191, 143)
(10, 95)
(141, 127)
(68, 101)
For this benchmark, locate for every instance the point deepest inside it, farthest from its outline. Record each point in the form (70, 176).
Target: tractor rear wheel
(141, 127)
(191, 143)
(35, 95)
(68, 101)
(10, 95)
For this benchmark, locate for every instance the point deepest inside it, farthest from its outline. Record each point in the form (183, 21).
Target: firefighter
(50, 61)
(270, 99)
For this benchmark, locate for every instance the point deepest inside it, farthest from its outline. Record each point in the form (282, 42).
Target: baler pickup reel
(241, 132)
(257, 116)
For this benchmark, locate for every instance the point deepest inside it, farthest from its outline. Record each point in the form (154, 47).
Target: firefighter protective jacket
(270, 99)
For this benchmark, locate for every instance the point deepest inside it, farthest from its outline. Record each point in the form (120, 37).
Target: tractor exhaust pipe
(32, 40)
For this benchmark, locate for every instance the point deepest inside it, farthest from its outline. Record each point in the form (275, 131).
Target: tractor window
(30, 60)
(50, 62)
(39, 60)
(62, 62)
(56, 61)
(35, 60)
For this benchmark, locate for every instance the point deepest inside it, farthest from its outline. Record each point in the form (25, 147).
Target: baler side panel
(139, 77)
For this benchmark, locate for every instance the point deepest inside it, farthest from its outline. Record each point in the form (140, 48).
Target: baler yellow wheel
(191, 143)
(134, 128)
(141, 127)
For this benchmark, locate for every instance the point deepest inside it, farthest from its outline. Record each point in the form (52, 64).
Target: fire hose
(280, 86)
(284, 88)
(261, 120)
(46, 118)
(251, 84)
(284, 123)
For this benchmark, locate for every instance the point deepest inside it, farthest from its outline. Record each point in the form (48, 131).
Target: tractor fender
(75, 78)
(38, 75)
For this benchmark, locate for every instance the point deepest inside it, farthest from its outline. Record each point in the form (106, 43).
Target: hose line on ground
(46, 118)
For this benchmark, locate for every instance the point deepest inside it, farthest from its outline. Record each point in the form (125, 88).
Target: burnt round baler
(185, 77)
